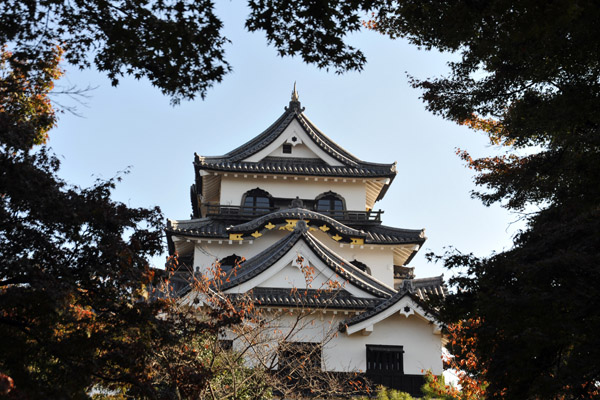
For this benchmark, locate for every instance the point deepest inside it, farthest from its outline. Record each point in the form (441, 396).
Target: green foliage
(177, 45)
(74, 262)
(26, 113)
(539, 308)
(74, 276)
(314, 30)
(531, 67)
(431, 388)
(528, 77)
(384, 393)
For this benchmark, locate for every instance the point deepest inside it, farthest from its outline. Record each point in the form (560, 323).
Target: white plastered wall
(340, 352)
(311, 149)
(422, 347)
(233, 188)
(298, 151)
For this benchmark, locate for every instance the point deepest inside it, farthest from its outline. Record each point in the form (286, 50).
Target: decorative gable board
(406, 306)
(285, 273)
(309, 150)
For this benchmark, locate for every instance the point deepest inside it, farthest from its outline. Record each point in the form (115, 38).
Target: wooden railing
(244, 212)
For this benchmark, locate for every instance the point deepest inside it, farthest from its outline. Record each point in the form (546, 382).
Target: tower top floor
(291, 159)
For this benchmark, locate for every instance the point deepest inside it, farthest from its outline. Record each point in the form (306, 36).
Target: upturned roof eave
(259, 168)
(373, 235)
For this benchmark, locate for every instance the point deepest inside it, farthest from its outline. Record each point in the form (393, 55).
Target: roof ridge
(376, 310)
(241, 151)
(344, 264)
(429, 279)
(391, 228)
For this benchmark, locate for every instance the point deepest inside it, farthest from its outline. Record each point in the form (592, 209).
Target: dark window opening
(331, 204)
(362, 266)
(257, 201)
(228, 263)
(299, 359)
(225, 344)
(385, 365)
(287, 149)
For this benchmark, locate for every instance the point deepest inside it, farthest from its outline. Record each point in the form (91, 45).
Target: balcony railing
(248, 213)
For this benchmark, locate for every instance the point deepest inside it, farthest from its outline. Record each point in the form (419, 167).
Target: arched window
(362, 266)
(228, 263)
(330, 203)
(256, 201)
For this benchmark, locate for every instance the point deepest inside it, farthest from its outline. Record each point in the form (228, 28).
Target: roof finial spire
(295, 93)
(295, 101)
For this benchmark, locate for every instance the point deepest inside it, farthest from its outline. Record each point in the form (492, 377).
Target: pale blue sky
(375, 115)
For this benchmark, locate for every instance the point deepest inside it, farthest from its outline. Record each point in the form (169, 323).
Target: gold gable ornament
(269, 226)
(357, 241)
(256, 234)
(337, 237)
(235, 236)
(291, 224)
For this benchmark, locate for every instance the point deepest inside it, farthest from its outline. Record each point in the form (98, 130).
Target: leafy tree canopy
(528, 76)
(177, 45)
(74, 270)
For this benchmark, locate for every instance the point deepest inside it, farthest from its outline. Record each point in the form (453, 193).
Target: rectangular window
(385, 365)
(287, 149)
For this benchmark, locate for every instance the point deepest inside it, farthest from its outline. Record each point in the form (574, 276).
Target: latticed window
(256, 201)
(385, 365)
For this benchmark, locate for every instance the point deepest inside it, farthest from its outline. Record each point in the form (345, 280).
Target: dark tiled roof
(348, 271)
(384, 305)
(352, 166)
(262, 261)
(373, 234)
(298, 166)
(417, 289)
(201, 227)
(427, 287)
(280, 297)
(381, 234)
